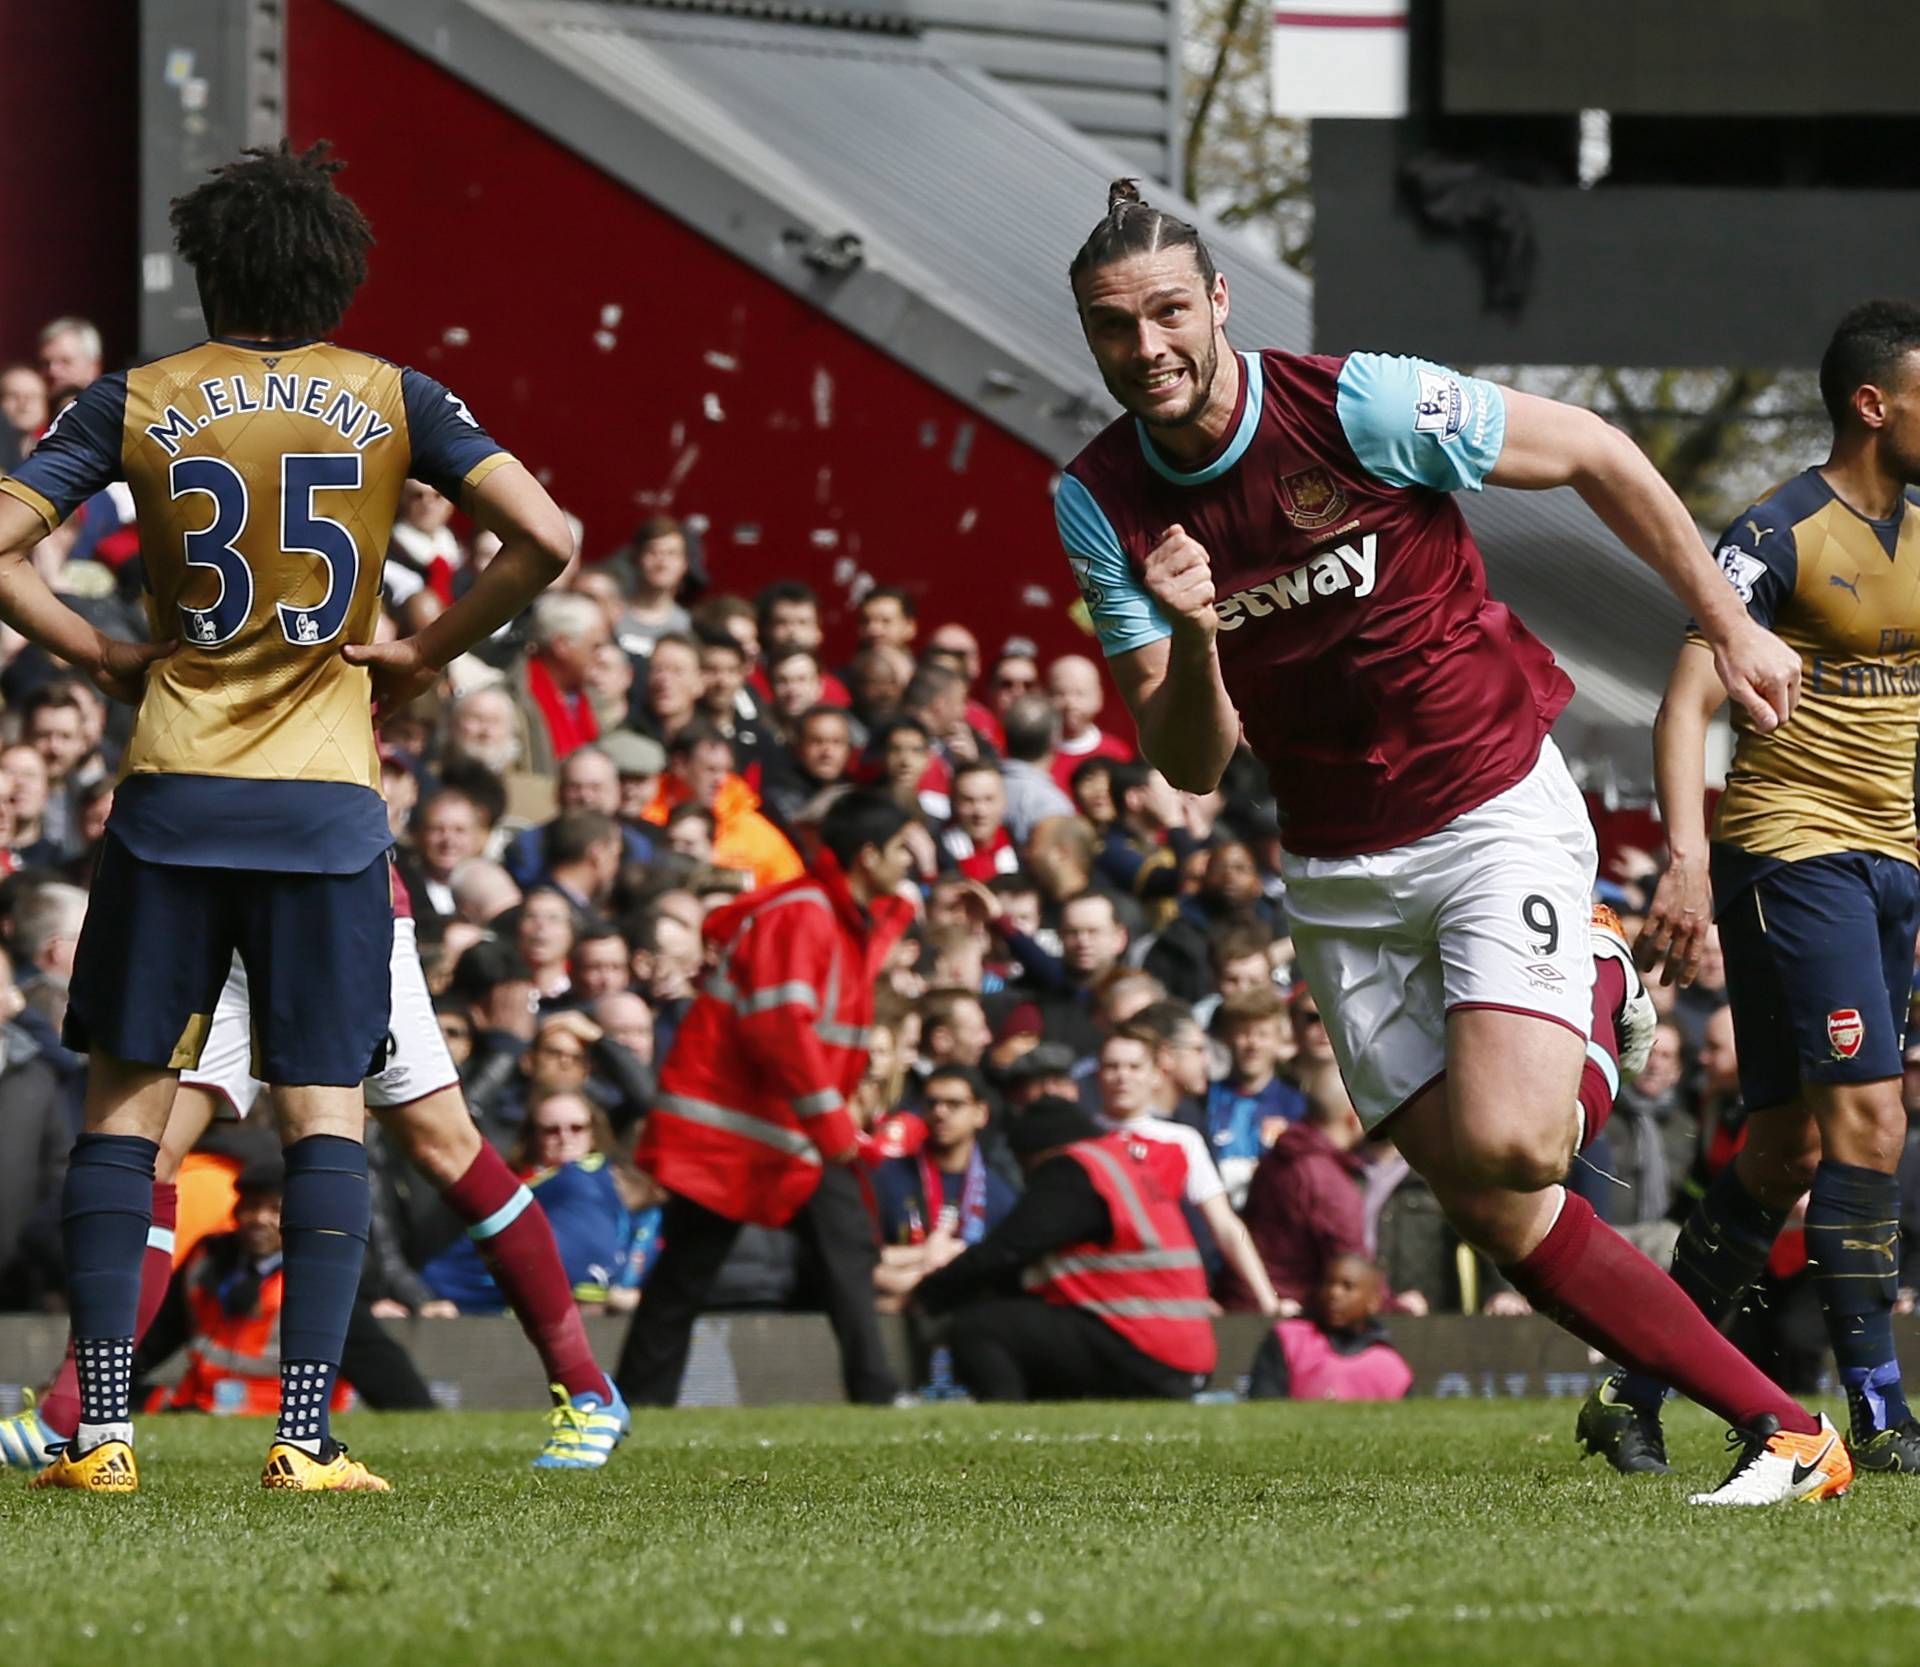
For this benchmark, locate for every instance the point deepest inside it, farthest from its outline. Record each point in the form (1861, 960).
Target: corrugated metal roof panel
(968, 201)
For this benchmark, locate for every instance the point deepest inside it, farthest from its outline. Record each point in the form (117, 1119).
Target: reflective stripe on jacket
(753, 1095)
(1146, 1280)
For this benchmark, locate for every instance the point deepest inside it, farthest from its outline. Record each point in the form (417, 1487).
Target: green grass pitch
(1200, 1536)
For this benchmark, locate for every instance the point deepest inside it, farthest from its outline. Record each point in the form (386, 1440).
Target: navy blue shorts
(1819, 966)
(159, 941)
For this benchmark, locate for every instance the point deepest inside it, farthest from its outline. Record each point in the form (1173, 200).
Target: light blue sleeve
(1124, 616)
(1415, 423)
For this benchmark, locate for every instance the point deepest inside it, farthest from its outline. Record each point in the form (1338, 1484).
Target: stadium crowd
(647, 744)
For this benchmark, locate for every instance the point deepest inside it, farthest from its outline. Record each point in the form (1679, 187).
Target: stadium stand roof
(932, 210)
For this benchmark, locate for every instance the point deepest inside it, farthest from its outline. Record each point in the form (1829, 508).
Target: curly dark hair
(277, 250)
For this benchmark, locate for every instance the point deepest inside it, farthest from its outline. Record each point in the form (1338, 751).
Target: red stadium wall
(70, 184)
(635, 366)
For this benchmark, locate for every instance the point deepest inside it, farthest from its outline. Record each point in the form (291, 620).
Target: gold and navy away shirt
(1844, 591)
(265, 477)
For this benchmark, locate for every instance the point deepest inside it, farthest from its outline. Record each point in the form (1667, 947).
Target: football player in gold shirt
(1813, 877)
(265, 466)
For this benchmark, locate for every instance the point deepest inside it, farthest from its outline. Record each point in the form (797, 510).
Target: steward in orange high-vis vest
(750, 1124)
(1115, 1299)
(231, 1287)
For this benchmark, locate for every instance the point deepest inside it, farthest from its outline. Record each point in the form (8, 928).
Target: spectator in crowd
(660, 571)
(26, 772)
(788, 614)
(958, 646)
(601, 965)
(953, 1031)
(482, 892)
(1016, 672)
(1240, 960)
(612, 687)
(729, 705)
(46, 930)
(1043, 1071)
(877, 677)
(450, 831)
(1652, 1138)
(1339, 1350)
(1146, 843)
(55, 719)
(1253, 1104)
(674, 686)
(905, 757)
(888, 619)
(666, 960)
(690, 832)
(822, 755)
(795, 686)
(976, 840)
(35, 1135)
(1114, 1300)
(551, 690)
(488, 731)
(584, 855)
(1304, 1202)
(1092, 941)
(23, 412)
(424, 554)
(700, 771)
(71, 357)
(1073, 685)
(544, 935)
(565, 1156)
(593, 779)
(943, 1195)
(1032, 795)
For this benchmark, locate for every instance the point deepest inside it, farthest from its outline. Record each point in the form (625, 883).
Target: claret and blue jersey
(1382, 687)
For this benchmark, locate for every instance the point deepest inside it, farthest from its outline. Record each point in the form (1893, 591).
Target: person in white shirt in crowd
(1133, 1084)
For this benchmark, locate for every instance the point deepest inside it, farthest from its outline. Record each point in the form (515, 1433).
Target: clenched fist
(1179, 578)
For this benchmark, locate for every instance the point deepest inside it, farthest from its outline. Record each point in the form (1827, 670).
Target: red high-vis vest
(754, 1092)
(1146, 1280)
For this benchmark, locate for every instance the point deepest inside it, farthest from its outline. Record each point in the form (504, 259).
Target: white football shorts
(1491, 911)
(417, 1059)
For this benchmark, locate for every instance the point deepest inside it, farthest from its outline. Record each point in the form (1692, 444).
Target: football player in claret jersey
(1811, 871)
(265, 466)
(1269, 538)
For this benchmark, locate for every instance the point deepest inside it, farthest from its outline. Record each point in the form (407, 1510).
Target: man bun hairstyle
(277, 251)
(1131, 227)
(1868, 344)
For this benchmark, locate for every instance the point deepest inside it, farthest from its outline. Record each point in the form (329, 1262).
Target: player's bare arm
(1549, 444)
(1682, 910)
(116, 668)
(1188, 727)
(535, 547)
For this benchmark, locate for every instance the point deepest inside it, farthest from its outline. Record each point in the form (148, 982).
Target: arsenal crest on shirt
(1312, 498)
(1845, 1032)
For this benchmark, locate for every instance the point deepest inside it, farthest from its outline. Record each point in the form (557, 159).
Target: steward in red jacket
(1115, 1302)
(751, 1122)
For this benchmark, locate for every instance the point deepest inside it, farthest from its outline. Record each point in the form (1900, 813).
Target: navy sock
(1723, 1249)
(306, 1392)
(106, 1207)
(1853, 1229)
(323, 1226)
